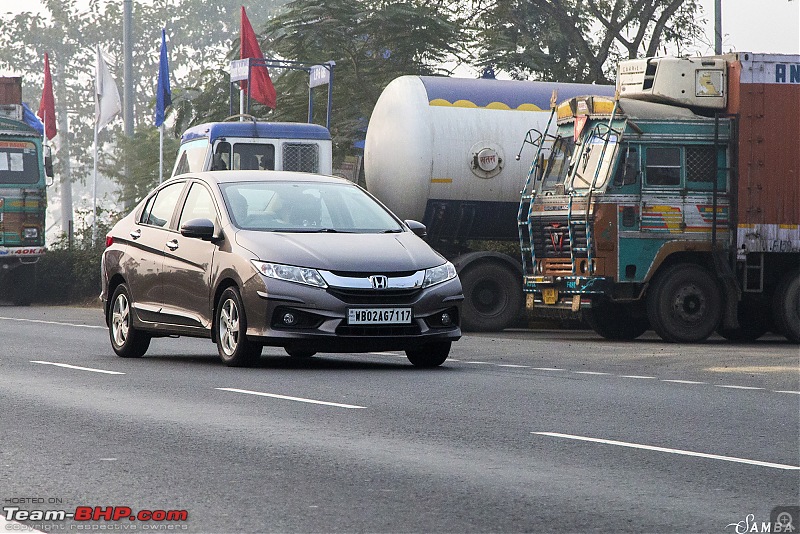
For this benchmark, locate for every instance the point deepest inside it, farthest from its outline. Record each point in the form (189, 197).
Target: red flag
(47, 108)
(262, 88)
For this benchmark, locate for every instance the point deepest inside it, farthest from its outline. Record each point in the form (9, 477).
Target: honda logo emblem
(379, 281)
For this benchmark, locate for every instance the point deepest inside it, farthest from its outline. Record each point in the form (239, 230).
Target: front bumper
(564, 293)
(321, 316)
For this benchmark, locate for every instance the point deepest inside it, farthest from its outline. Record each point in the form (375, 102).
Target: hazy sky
(747, 25)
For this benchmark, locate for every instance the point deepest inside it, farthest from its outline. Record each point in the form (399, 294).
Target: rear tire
(615, 321)
(684, 304)
(234, 349)
(430, 355)
(126, 340)
(492, 297)
(786, 307)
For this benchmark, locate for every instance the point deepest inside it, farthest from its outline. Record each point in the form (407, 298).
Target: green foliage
(578, 41)
(371, 42)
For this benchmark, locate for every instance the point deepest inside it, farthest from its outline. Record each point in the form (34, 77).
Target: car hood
(342, 251)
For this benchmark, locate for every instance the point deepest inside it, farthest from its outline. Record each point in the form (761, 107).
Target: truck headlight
(290, 273)
(437, 275)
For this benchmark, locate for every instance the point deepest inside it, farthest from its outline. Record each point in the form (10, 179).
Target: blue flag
(31, 119)
(163, 93)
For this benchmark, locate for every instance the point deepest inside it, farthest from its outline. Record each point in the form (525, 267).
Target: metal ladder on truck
(575, 221)
(528, 194)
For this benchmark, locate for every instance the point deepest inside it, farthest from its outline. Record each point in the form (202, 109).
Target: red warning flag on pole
(262, 89)
(47, 107)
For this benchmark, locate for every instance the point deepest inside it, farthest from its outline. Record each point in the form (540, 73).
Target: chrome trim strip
(394, 282)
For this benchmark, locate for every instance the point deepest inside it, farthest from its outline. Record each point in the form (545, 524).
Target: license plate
(379, 316)
(549, 295)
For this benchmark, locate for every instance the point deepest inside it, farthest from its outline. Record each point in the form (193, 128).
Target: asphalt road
(523, 431)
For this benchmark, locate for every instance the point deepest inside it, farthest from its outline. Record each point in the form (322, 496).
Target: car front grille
(374, 296)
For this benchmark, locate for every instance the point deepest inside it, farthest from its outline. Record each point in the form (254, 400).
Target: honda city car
(249, 259)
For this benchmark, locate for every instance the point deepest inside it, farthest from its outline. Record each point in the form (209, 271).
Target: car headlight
(437, 275)
(290, 273)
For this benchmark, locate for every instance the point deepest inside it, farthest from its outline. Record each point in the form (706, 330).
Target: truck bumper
(563, 294)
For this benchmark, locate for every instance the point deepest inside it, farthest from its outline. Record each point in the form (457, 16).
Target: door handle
(172, 245)
(136, 234)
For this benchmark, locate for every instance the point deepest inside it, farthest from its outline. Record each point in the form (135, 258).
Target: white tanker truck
(443, 151)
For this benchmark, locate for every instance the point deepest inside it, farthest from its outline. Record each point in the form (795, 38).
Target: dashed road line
(547, 369)
(671, 451)
(795, 392)
(590, 373)
(734, 387)
(682, 381)
(52, 322)
(68, 366)
(296, 399)
(513, 366)
(638, 376)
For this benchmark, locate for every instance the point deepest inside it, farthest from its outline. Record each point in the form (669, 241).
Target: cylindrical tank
(443, 151)
(454, 140)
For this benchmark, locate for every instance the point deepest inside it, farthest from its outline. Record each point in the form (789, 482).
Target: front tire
(615, 321)
(786, 307)
(126, 340)
(684, 304)
(430, 355)
(234, 349)
(492, 297)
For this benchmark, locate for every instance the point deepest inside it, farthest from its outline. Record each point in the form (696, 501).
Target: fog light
(289, 319)
(446, 319)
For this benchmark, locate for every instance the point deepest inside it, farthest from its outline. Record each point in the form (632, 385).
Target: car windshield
(306, 207)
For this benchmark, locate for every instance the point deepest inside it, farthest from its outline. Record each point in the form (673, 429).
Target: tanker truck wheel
(786, 307)
(492, 297)
(684, 303)
(616, 321)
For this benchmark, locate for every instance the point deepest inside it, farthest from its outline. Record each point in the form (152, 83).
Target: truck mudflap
(568, 293)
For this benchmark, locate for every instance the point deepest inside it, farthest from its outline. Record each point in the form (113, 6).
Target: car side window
(198, 205)
(162, 206)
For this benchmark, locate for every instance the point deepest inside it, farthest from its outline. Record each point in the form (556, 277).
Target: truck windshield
(19, 163)
(595, 162)
(558, 162)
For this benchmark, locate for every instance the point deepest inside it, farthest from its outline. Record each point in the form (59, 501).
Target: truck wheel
(753, 316)
(492, 297)
(126, 340)
(235, 350)
(786, 307)
(684, 304)
(616, 321)
(430, 355)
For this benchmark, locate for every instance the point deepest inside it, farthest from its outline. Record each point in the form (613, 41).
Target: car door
(154, 227)
(186, 274)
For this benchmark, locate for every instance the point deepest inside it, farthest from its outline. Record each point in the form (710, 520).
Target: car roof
(226, 177)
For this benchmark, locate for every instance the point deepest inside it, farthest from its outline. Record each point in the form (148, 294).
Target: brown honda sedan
(301, 261)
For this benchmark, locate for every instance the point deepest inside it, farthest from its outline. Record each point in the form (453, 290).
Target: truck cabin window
(663, 166)
(254, 156)
(558, 163)
(19, 163)
(701, 164)
(191, 157)
(628, 168)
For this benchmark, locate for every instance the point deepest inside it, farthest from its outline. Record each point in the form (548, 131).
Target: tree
(580, 40)
(372, 42)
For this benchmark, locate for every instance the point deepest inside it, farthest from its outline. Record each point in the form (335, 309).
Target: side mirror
(417, 227)
(48, 161)
(198, 229)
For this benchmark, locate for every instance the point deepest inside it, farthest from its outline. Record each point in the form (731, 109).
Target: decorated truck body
(442, 151)
(23, 196)
(675, 206)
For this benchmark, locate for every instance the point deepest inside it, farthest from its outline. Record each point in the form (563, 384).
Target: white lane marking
(547, 369)
(67, 366)
(482, 363)
(589, 373)
(387, 353)
(671, 451)
(795, 392)
(53, 322)
(636, 376)
(512, 365)
(284, 397)
(735, 387)
(683, 381)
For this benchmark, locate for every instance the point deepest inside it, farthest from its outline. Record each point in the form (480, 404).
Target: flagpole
(161, 153)
(94, 191)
